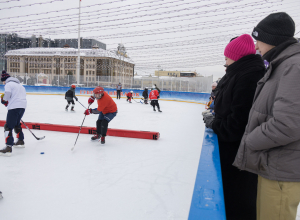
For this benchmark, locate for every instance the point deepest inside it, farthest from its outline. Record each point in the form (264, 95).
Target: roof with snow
(41, 51)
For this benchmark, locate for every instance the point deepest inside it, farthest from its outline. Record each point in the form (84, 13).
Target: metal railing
(184, 84)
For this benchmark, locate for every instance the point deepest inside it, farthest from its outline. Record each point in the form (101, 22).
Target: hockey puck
(42, 152)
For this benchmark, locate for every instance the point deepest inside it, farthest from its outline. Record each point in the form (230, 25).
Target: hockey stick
(135, 101)
(79, 132)
(41, 138)
(81, 104)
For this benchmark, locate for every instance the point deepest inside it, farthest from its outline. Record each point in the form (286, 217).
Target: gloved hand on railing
(209, 120)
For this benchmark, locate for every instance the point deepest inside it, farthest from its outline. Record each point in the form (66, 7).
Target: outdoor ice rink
(134, 179)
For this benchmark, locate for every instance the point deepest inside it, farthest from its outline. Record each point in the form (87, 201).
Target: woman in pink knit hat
(232, 105)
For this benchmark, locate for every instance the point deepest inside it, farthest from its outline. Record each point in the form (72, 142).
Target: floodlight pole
(78, 55)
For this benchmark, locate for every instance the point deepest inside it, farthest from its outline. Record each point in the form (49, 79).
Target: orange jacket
(106, 104)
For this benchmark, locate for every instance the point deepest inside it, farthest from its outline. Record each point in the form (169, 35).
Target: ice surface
(124, 179)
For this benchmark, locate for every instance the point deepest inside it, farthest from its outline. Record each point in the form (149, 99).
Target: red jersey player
(107, 110)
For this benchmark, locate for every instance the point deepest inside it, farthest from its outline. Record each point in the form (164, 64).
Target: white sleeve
(7, 93)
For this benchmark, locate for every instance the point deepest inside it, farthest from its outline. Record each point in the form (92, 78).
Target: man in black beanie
(270, 146)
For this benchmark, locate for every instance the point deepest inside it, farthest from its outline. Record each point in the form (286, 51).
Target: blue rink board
(168, 95)
(208, 200)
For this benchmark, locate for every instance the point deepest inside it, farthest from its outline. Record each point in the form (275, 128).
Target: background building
(57, 66)
(172, 73)
(13, 41)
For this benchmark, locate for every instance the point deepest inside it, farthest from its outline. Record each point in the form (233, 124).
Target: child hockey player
(70, 94)
(145, 95)
(129, 96)
(154, 96)
(14, 99)
(107, 110)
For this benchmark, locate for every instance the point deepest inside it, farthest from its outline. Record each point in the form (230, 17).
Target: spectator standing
(271, 143)
(213, 87)
(232, 105)
(119, 90)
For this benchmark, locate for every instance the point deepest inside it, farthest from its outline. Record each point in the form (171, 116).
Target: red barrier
(91, 130)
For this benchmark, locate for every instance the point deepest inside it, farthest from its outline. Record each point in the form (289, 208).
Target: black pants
(69, 102)
(118, 94)
(155, 103)
(240, 187)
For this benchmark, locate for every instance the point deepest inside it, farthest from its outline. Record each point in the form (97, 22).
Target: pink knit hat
(240, 47)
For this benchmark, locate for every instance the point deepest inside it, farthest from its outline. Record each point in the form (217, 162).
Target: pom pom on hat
(4, 76)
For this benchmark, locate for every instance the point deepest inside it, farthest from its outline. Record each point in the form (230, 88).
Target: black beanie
(275, 29)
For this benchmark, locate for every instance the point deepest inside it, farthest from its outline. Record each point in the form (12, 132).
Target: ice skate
(154, 109)
(159, 110)
(1, 195)
(19, 144)
(96, 137)
(6, 151)
(102, 140)
(72, 109)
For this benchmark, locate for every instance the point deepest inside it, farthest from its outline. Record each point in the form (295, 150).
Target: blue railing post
(208, 199)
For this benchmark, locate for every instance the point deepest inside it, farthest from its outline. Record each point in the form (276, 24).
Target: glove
(76, 98)
(5, 103)
(158, 97)
(88, 111)
(91, 100)
(209, 120)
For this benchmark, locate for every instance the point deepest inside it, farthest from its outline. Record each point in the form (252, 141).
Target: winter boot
(19, 144)
(96, 137)
(6, 151)
(103, 140)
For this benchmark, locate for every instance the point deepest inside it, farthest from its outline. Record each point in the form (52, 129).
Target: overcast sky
(182, 35)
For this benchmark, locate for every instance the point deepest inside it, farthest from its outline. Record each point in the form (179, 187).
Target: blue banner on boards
(169, 95)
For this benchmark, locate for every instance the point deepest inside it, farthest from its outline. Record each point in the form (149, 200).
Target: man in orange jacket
(107, 110)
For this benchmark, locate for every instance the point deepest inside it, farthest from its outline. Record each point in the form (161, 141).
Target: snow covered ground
(126, 178)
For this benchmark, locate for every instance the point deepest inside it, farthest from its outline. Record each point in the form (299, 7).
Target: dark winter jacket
(271, 144)
(145, 94)
(235, 96)
(70, 94)
(232, 105)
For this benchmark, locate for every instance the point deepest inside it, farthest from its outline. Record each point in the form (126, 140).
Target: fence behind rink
(207, 200)
(184, 84)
